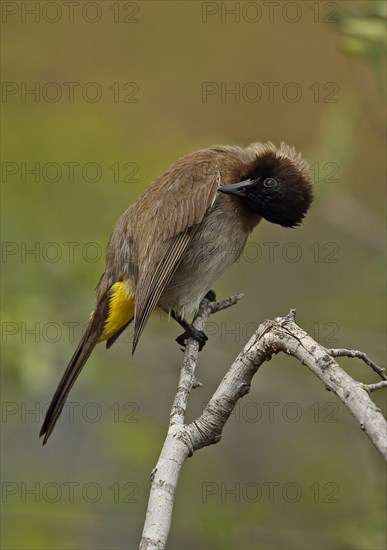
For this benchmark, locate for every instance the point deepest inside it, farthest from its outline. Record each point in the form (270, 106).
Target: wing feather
(151, 289)
(180, 199)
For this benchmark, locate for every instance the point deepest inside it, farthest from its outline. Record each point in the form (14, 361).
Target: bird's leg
(211, 296)
(189, 332)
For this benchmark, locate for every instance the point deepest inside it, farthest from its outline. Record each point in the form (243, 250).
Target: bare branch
(374, 387)
(298, 343)
(271, 337)
(341, 352)
(177, 447)
(187, 379)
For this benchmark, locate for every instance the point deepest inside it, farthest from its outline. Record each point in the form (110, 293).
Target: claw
(194, 333)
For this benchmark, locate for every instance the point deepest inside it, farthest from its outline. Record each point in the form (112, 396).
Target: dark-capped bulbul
(181, 234)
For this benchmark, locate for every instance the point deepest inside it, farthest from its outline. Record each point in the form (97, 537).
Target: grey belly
(216, 245)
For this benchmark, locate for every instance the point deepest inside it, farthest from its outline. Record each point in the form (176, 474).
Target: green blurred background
(293, 470)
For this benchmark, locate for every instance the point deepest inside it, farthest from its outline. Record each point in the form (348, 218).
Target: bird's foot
(211, 295)
(194, 333)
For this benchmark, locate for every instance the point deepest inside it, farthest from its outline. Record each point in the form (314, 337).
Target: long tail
(78, 360)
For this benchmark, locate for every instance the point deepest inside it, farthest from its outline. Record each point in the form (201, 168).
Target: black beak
(238, 189)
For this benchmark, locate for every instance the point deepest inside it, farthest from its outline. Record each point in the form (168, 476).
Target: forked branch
(271, 337)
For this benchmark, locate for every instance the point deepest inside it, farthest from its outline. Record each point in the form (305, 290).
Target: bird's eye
(270, 182)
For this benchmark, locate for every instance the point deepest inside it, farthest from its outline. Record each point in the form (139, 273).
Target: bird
(180, 235)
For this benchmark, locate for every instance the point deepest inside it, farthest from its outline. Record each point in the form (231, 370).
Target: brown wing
(179, 198)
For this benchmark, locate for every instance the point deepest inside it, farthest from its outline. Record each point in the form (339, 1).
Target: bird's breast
(216, 245)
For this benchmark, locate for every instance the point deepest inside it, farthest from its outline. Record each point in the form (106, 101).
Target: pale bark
(280, 335)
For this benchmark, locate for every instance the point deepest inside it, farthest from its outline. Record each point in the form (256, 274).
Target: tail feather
(78, 360)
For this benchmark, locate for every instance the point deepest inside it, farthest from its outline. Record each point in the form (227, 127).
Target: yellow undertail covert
(121, 309)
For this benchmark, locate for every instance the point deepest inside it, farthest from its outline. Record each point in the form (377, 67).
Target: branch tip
(291, 316)
(342, 352)
(196, 384)
(224, 304)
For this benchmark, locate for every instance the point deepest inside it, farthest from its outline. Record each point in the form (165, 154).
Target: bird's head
(276, 185)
